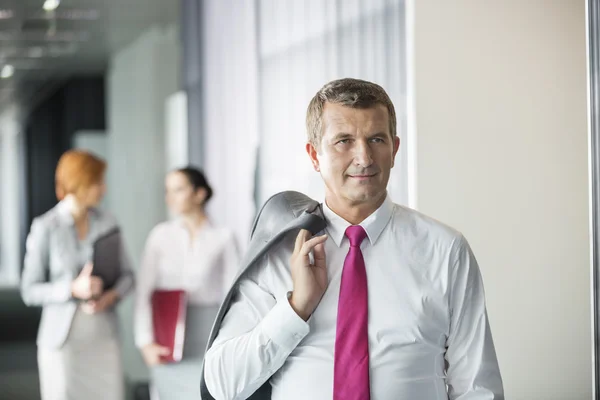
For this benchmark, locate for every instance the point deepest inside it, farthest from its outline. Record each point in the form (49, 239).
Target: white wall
(230, 111)
(10, 234)
(502, 156)
(176, 131)
(95, 142)
(141, 78)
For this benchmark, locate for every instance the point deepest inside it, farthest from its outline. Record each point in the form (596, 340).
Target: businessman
(384, 304)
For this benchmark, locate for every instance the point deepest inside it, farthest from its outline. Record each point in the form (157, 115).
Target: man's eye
(378, 140)
(344, 141)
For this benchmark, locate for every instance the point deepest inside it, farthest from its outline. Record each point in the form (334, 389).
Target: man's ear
(396, 147)
(312, 153)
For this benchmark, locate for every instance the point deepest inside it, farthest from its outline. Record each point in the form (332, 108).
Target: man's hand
(153, 354)
(310, 280)
(102, 303)
(86, 286)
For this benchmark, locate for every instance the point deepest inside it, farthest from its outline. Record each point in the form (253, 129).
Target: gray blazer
(283, 214)
(53, 259)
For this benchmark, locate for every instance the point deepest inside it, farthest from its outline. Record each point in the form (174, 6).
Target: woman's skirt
(88, 366)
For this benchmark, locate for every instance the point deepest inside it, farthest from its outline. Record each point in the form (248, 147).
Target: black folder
(107, 258)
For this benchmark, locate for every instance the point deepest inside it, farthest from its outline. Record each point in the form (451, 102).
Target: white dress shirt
(429, 337)
(204, 268)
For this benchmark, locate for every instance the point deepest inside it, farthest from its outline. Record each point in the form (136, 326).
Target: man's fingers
(300, 240)
(310, 244)
(319, 255)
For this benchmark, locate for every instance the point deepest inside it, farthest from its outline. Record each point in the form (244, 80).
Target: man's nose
(363, 155)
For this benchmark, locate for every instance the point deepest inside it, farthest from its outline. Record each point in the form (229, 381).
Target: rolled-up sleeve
(473, 372)
(35, 289)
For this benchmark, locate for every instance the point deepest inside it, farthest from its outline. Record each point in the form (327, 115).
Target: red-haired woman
(78, 340)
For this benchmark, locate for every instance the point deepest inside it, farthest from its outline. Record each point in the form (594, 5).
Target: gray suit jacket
(283, 214)
(54, 257)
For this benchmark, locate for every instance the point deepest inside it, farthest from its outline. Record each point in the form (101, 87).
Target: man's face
(356, 154)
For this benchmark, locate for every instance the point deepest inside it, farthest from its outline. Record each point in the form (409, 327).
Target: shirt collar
(179, 222)
(373, 224)
(64, 211)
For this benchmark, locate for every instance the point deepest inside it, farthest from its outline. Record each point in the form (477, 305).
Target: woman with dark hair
(187, 253)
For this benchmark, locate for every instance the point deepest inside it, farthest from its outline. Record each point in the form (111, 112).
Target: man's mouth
(362, 176)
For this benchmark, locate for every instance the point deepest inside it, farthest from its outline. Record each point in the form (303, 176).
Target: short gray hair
(349, 92)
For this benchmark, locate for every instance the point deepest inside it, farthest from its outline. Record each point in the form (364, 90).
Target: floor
(18, 360)
(18, 353)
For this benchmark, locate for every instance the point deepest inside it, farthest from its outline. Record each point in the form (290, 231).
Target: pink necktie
(351, 359)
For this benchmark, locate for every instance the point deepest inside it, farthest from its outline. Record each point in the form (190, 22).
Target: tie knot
(355, 234)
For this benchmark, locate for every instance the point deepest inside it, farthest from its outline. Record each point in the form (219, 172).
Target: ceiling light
(51, 5)
(7, 71)
(6, 14)
(79, 14)
(35, 52)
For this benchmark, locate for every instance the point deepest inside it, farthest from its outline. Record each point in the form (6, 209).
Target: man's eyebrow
(379, 135)
(345, 135)
(341, 136)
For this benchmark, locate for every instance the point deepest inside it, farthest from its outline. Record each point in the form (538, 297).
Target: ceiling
(77, 38)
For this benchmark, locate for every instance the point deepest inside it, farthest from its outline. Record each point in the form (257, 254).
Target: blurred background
(491, 104)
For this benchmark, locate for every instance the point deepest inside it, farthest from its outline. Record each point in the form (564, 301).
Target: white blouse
(204, 267)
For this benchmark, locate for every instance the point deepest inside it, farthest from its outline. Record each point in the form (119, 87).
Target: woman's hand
(102, 303)
(86, 286)
(153, 354)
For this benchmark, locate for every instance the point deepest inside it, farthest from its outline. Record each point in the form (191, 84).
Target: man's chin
(364, 195)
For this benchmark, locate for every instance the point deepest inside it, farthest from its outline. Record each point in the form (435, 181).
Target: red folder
(168, 317)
